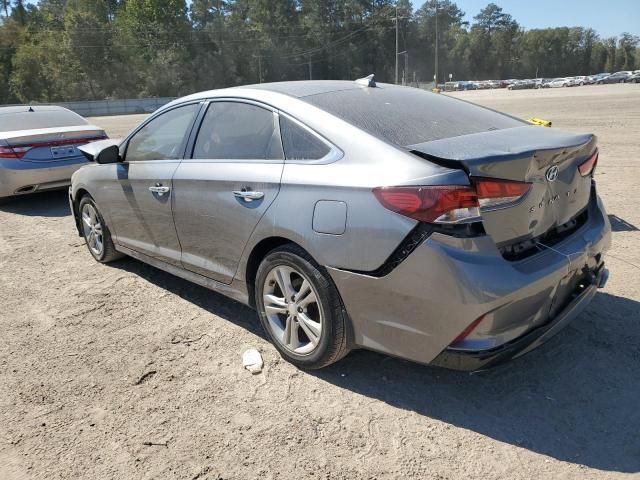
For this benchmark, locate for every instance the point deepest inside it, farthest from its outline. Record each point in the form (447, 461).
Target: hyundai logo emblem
(552, 173)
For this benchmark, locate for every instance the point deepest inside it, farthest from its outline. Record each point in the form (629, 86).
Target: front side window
(238, 131)
(163, 137)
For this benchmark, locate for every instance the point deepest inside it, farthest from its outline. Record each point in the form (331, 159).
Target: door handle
(159, 189)
(248, 196)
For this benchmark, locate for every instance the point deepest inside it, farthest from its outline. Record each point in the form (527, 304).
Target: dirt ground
(123, 371)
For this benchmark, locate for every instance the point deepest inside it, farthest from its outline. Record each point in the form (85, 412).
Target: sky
(608, 17)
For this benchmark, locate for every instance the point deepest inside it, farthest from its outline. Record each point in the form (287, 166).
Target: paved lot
(96, 362)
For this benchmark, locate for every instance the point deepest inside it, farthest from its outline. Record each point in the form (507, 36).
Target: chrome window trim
(333, 155)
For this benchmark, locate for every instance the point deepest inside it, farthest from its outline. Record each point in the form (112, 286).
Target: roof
(305, 88)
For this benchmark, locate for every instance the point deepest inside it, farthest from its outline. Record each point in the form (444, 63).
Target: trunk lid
(52, 144)
(547, 159)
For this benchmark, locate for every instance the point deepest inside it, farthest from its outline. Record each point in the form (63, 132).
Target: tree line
(59, 50)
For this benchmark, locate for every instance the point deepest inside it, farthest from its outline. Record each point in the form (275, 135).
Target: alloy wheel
(92, 229)
(292, 309)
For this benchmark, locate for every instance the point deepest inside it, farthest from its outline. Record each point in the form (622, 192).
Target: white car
(582, 80)
(560, 82)
(38, 147)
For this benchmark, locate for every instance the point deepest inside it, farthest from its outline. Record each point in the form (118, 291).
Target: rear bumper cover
(459, 360)
(18, 174)
(419, 308)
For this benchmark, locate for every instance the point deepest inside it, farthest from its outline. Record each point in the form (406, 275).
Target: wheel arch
(258, 252)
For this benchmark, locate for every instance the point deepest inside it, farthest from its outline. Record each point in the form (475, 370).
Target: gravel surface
(123, 371)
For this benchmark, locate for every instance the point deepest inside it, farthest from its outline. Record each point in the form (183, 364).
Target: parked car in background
(542, 82)
(560, 82)
(618, 77)
(522, 85)
(599, 76)
(38, 147)
(268, 193)
(635, 78)
(451, 86)
(581, 80)
(464, 85)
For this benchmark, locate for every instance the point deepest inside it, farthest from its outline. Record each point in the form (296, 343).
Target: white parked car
(560, 82)
(38, 147)
(581, 80)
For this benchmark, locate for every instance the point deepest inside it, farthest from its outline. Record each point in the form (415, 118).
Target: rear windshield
(25, 120)
(408, 116)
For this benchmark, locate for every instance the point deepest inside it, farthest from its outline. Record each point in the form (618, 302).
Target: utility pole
(397, 19)
(435, 74)
(405, 73)
(259, 68)
(406, 67)
(396, 42)
(310, 73)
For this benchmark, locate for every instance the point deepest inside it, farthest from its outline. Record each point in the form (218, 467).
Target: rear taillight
(588, 166)
(19, 151)
(13, 152)
(450, 203)
(496, 193)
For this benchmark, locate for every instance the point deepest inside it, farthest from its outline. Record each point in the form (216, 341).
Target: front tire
(96, 233)
(300, 308)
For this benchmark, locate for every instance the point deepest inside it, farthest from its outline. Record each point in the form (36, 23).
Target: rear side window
(163, 137)
(13, 121)
(238, 131)
(299, 143)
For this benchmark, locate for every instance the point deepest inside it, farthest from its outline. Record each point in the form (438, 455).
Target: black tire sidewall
(105, 235)
(322, 286)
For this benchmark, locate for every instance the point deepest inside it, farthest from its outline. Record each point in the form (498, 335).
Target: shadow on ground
(621, 225)
(574, 399)
(45, 204)
(209, 300)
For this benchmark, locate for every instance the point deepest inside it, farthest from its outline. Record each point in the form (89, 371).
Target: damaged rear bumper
(469, 360)
(419, 309)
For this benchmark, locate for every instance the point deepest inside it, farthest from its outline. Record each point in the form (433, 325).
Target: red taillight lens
(494, 193)
(450, 203)
(588, 166)
(430, 203)
(14, 152)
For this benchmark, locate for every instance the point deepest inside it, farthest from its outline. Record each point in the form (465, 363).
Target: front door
(221, 193)
(141, 194)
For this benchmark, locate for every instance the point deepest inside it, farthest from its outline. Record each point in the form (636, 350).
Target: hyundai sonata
(356, 215)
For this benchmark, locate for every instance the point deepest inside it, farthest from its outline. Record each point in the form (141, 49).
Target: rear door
(223, 190)
(139, 192)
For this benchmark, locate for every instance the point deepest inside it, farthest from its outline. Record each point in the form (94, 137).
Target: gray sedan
(355, 215)
(38, 147)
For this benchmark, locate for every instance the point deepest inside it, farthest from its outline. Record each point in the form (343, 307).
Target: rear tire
(95, 232)
(300, 308)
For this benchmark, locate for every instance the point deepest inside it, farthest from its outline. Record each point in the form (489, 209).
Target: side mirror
(104, 151)
(110, 154)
